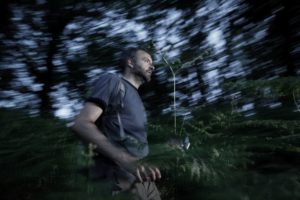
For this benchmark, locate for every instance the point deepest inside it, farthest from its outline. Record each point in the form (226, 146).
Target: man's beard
(143, 74)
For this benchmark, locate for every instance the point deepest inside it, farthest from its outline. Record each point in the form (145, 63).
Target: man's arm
(85, 127)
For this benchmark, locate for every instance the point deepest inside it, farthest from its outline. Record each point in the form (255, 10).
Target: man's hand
(142, 172)
(147, 173)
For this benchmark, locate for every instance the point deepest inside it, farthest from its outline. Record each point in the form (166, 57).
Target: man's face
(142, 65)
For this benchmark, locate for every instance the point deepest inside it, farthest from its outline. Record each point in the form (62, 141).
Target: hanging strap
(117, 100)
(122, 134)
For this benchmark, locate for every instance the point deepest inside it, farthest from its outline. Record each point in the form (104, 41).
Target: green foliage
(40, 159)
(33, 153)
(176, 65)
(231, 157)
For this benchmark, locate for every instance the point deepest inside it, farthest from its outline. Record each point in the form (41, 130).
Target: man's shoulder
(109, 77)
(113, 83)
(105, 90)
(105, 80)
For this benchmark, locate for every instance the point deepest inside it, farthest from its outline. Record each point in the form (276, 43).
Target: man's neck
(134, 80)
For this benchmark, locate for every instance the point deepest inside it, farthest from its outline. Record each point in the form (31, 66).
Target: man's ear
(130, 62)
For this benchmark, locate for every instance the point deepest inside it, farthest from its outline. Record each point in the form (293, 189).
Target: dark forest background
(237, 65)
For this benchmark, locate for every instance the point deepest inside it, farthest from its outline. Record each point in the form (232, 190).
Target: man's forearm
(90, 133)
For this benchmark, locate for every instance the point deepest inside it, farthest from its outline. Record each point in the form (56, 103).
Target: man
(119, 132)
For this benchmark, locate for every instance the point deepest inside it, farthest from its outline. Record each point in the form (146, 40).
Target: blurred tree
(55, 44)
(52, 50)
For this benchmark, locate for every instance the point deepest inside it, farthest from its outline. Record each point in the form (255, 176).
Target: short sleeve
(101, 90)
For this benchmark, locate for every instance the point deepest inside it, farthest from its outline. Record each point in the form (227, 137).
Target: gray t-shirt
(132, 113)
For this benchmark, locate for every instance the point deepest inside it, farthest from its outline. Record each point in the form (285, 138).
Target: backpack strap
(117, 103)
(116, 99)
(121, 87)
(122, 133)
